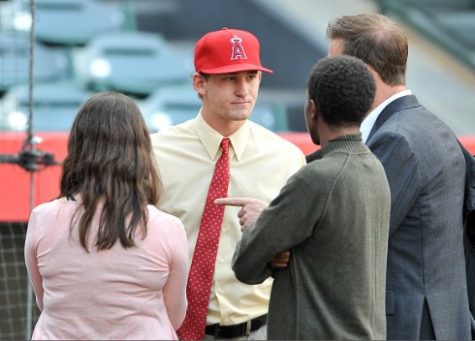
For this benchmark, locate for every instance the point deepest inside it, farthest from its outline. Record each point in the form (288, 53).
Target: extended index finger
(233, 201)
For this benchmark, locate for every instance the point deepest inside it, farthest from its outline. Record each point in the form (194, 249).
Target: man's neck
(224, 127)
(384, 91)
(327, 134)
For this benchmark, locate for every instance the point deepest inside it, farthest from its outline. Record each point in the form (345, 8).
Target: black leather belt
(236, 330)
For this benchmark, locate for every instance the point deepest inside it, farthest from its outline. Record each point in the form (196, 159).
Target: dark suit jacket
(426, 276)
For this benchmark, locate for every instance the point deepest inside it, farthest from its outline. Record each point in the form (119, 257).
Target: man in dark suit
(426, 294)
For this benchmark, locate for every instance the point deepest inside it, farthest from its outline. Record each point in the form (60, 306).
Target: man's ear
(376, 75)
(259, 75)
(199, 83)
(314, 110)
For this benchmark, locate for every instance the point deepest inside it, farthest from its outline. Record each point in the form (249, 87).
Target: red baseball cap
(226, 51)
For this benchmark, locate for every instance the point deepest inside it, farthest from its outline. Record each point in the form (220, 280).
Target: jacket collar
(402, 103)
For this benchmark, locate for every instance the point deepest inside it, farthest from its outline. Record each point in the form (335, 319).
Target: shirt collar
(211, 139)
(369, 120)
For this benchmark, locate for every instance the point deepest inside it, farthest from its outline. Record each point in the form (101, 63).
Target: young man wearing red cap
(221, 153)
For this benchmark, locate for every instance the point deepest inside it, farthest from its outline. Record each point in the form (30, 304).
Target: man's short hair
(343, 88)
(375, 39)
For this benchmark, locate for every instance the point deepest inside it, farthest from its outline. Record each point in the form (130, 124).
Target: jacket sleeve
(284, 224)
(402, 170)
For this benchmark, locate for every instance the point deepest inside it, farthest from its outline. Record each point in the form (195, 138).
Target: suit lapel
(395, 106)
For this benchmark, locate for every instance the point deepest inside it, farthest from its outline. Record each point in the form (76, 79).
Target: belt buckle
(247, 325)
(216, 331)
(240, 330)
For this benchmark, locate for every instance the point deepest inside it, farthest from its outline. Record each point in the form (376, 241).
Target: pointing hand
(250, 209)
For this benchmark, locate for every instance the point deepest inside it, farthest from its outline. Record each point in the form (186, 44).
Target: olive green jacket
(333, 215)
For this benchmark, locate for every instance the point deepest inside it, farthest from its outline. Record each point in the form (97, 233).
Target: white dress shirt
(369, 120)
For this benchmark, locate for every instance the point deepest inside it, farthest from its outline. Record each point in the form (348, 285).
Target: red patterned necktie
(204, 258)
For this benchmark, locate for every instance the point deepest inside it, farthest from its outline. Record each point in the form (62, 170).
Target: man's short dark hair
(343, 88)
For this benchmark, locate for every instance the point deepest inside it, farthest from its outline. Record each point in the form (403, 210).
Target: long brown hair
(375, 39)
(110, 163)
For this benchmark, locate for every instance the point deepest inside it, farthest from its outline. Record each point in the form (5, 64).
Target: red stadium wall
(15, 181)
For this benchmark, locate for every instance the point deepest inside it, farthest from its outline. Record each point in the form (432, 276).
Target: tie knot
(225, 145)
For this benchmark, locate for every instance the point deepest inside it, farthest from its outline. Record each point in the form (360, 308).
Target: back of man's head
(375, 39)
(343, 89)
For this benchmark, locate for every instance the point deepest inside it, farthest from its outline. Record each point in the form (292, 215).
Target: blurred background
(55, 53)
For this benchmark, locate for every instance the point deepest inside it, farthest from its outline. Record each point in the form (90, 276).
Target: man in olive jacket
(333, 216)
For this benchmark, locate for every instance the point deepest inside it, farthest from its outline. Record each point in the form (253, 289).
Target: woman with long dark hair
(104, 262)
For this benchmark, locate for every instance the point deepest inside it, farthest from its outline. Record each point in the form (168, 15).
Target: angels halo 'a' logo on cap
(238, 51)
